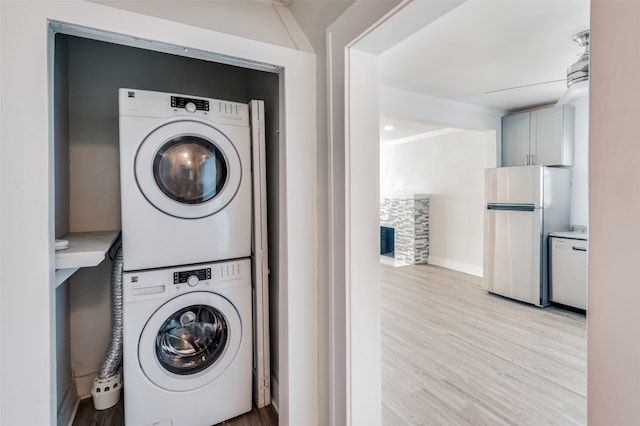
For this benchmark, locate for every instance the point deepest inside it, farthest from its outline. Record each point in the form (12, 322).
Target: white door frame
(27, 225)
(363, 31)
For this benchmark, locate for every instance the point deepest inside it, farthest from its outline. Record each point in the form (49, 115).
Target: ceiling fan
(577, 73)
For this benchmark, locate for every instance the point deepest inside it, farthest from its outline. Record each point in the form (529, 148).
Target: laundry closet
(87, 74)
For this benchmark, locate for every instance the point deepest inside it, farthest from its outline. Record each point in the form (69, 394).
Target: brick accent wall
(409, 216)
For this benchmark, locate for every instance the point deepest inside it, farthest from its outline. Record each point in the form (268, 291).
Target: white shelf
(85, 249)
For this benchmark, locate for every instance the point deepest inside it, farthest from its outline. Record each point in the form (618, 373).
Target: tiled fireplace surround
(409, 216)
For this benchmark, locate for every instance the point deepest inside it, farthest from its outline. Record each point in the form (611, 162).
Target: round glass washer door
(190, 341)
(188, 169)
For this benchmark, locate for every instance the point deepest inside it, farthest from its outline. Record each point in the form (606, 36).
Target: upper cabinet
(516, 130)
(543, 136)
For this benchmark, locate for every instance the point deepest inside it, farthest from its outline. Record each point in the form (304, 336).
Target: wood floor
(454, 355)
(88, 416)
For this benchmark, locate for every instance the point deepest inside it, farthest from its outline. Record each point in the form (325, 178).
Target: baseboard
(275, 396)
(75, 412)
(467, 268)
(68, 406)
(386, 260)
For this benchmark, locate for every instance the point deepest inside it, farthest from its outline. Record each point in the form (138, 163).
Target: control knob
(193, 281)
(190, 107)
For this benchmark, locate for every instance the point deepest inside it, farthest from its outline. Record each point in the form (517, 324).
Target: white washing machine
(187, 344)
(185, 179)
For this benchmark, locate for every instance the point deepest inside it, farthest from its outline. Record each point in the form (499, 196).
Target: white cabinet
(543, 136)
(569, 272)
(516, 129)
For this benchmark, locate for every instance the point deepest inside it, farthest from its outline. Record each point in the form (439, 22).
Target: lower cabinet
(569, 272)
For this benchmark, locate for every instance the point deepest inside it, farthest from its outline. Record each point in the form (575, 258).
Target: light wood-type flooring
(452, 354)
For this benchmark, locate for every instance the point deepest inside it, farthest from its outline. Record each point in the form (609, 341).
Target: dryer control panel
(144, 103)
(182, 102)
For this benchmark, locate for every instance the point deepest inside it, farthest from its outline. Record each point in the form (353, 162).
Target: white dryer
(187, 344)
(185, 179)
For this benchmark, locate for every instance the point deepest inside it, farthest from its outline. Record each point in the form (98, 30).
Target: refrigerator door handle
(512, 207)
(579, 248)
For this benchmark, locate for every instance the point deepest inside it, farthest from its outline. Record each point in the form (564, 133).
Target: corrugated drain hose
(107, 385)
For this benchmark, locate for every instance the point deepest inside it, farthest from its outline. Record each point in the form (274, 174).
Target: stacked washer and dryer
(185, 169)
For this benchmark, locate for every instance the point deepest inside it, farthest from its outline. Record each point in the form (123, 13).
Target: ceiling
(392, 128)
(486, 45)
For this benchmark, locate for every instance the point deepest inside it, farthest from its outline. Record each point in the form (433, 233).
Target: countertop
(570, 234)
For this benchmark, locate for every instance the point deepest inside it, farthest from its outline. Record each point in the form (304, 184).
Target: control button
(190, 107)
(193, 281)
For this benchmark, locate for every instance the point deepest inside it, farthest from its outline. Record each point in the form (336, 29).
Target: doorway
(362, 62)
(296, 172)
(87, 74)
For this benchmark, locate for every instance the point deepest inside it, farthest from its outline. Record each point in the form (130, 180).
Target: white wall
(450, 167)
(66, 394)
(255, 20)
(25, 225)
(409, 105)
(614, 209)
(448, 222)
(415, 106)
(360, 19)
(345, 385)
(364, 298)
(314, 17)
(26, 176)
(580, 169)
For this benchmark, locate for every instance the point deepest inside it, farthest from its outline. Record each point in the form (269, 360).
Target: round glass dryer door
(190, 341)
(188, 169)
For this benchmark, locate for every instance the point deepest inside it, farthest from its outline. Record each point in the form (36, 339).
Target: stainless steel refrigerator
(523, 204)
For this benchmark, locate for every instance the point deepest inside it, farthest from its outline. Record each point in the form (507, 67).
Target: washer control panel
(191, 277)
(191, 104)
(172, 282)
